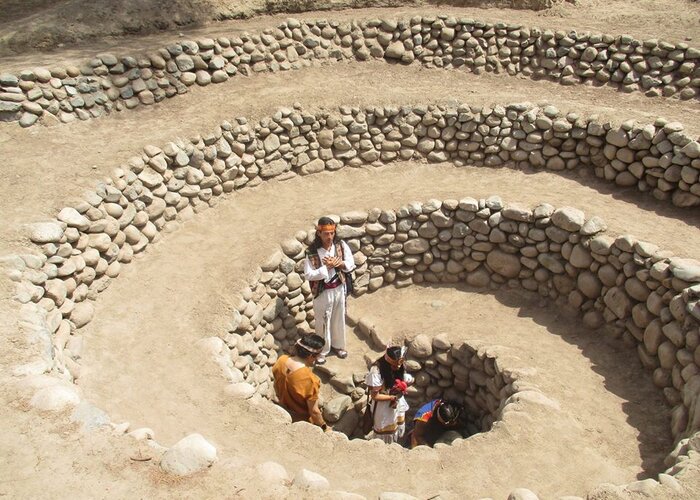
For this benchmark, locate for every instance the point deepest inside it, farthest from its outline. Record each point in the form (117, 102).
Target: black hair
(317, 243)
(389, 375)
(394, 352)
(449, 412)
(312, 342)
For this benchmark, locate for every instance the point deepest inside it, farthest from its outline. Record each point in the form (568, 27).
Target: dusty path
(141, 364)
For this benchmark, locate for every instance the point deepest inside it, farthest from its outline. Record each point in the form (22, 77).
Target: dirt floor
(141, 364)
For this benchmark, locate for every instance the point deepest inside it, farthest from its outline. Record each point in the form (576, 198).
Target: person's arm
(312, 274)
(348, 263)
(417, 434)
(377, 395)
(375, 385)
(315, 415)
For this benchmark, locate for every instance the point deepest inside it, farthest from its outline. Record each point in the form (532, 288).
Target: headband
(312, 350)
(326, 227)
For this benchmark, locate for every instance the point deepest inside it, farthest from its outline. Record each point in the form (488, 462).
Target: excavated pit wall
(645, 295)
(270, 322)
(469, 375)
(108, 82)
(628, 286)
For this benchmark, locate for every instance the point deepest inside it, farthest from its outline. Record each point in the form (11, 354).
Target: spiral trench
(628, 309)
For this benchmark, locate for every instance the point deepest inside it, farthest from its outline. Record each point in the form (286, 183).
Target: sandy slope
(141, 364)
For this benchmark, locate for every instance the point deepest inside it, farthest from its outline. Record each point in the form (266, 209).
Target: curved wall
(108, 82)
(87, 245)
(648, 296)
(631, 287)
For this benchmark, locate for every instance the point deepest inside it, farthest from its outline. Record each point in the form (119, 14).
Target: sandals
(341, 353)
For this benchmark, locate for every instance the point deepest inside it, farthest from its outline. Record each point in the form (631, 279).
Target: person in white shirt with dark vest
(327, 260)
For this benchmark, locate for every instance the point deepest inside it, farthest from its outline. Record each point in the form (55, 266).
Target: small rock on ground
(189, 455)
(307, 480)
(54, 398)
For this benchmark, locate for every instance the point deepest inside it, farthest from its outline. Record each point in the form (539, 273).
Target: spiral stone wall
(631, 287)
(463, 373)
(88, 243)
(268, 325)
(635, 290)
(109, 82)
(466, 373)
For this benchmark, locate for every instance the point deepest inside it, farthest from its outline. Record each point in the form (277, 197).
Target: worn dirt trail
(141, 363)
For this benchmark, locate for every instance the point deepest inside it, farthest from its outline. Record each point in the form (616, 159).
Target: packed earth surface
(135, 350)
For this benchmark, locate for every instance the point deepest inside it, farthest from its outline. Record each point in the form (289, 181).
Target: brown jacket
(295, 389)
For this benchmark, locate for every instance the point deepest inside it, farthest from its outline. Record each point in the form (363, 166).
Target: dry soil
(141, 364)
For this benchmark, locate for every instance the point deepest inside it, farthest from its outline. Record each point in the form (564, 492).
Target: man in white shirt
(327, 259)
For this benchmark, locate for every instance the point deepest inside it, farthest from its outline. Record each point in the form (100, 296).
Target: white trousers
(329, 313)
(394, 437)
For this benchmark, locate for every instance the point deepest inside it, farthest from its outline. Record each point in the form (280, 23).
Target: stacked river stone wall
(649, 297)
(108, 82)
(467, 374)
(631, 288)
(462, 373)
(277, 308)
(89, 242)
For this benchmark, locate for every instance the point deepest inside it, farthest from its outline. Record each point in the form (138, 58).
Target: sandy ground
(141, 364)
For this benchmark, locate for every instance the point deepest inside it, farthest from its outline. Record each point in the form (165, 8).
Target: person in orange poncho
(296, 386)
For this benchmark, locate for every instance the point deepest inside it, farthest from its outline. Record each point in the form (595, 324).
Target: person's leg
(407, 431)
(401, 429)
(387, 438)
(337, 320)
(322, 316)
